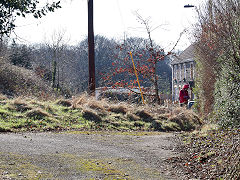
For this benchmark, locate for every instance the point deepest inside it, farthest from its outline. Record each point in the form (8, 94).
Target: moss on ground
(108, 168)
(62, 166)
(96, 168)
(16, 166)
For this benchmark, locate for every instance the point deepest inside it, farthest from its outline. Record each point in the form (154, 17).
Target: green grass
(31, 115)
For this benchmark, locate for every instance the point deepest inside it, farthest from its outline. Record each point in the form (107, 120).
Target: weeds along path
(78, 155)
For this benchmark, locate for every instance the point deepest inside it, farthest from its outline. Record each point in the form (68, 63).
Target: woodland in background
(65, 68)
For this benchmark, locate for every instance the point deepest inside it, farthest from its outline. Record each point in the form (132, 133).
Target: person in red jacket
(183, 95)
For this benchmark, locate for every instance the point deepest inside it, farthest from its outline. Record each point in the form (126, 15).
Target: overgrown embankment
(17, 81)
(86, 113)
(209, 154)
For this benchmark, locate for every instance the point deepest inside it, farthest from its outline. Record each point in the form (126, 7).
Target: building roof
(186, 56)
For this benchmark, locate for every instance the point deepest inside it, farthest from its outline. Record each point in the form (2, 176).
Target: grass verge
(85, 113)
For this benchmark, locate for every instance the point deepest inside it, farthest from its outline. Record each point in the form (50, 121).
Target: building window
(191, 71)
(176, 94)
(176, 69)
(185, 71)
(180, 72)
(173, 70)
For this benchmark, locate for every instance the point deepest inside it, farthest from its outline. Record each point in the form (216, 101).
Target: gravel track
(85, 156)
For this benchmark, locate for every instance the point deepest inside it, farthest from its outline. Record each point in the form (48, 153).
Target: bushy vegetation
(218, 61)
(227, 95)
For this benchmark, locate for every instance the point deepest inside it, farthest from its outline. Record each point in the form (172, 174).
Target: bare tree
(156, 52)
(57, 46)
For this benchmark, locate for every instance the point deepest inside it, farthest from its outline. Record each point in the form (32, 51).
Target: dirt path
(85, 156)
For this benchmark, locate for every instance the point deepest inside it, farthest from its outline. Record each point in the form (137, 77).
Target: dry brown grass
(91, 115)
(155, 112)
(3, 97)
(186, 119)
(157, 109)
(37, 103)
(79, 100)
(64, 102)
(19, 105)
(88, 101)
(177, 110)
(104, 115)
(119, 108)
(145, 115)
(133, 117)
(98, 105)
(37, 114)
(162, 118)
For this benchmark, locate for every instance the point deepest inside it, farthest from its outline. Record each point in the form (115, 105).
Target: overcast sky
(113, 18)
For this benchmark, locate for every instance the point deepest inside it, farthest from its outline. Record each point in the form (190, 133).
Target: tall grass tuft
(37, 114)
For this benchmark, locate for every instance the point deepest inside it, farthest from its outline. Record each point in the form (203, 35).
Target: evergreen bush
(227, 95)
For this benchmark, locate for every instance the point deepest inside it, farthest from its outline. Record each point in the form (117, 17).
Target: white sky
(111, 19)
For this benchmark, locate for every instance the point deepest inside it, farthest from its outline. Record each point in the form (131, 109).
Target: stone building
(183, 72)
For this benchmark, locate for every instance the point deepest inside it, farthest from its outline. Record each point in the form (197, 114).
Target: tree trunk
(54, 71)
(157, 98)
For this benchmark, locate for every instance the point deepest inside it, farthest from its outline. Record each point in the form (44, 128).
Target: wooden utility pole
(91, 60)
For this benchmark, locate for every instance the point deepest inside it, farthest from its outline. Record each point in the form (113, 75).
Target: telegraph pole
(91, 60)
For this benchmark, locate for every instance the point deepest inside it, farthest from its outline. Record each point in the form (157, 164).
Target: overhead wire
(122, 20)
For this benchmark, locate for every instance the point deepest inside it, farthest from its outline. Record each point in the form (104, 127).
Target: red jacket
(183, 96)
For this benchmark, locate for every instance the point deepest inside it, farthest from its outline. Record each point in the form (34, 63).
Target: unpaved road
(85, 156)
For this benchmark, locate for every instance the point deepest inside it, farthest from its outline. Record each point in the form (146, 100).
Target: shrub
(218, 82)
(227, 101)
